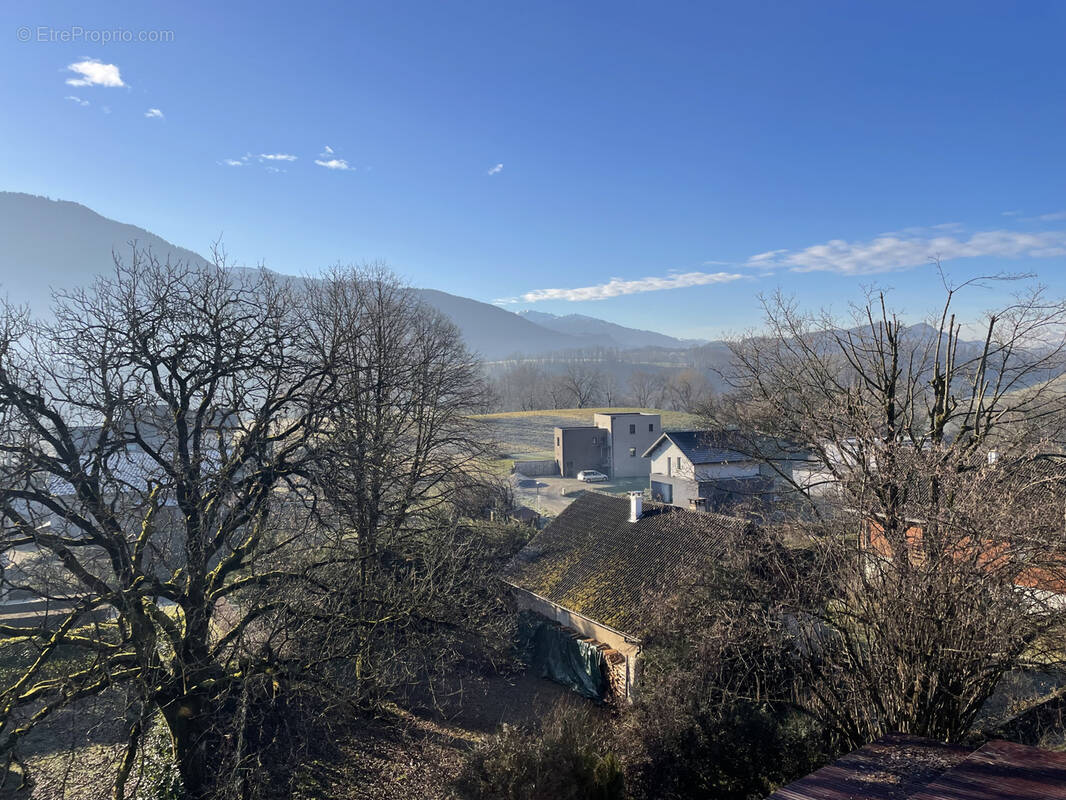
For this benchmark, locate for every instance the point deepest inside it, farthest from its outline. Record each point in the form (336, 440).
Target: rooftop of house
(593, 561)
(718, 446)
(899, 767)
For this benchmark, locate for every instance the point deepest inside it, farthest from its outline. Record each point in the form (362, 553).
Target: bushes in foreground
(568, 758)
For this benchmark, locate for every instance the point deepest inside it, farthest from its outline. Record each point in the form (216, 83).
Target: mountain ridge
(52, 244)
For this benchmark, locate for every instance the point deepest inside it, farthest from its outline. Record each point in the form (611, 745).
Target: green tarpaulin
(554, 652)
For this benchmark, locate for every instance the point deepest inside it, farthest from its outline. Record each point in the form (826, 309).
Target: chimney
(636, 505)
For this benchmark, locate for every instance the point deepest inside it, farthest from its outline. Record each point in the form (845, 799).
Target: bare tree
(646, 388)
(189, 456)
(611, 387)
(688, 390)
(523, 386)
(933, 529)
(583, 382)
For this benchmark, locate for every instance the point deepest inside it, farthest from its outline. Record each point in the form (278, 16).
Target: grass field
(528, 434)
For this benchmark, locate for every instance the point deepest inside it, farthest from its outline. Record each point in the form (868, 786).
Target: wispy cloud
(617, 287)
(154, 113)
(234, 162)
(1055, 216)
(94, 73)
(891, 253)
(76, 100)
(1013, 213)
(326, 159)
(276, 157)
(496, 170)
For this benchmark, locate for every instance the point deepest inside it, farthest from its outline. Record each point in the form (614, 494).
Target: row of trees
(237, 494)
(531, 385)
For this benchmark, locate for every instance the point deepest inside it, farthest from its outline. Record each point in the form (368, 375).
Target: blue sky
(723, 149)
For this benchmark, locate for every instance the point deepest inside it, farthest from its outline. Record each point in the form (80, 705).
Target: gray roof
(592, 560)
(701, 447)
(719, 446)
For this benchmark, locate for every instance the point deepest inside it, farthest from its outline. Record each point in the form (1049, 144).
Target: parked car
(591, 476)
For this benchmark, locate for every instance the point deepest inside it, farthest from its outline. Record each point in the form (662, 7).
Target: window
(632, 452)
(679, 462)
(651, 427)
(632, 428)
(558, 441)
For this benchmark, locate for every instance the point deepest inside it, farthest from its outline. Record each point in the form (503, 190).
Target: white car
(591, 476)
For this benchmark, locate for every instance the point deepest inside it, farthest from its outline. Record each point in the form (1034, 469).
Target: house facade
(700, 470)
(614, 444)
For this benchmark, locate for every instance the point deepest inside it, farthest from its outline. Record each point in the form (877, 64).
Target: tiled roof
(592, 560)
(898, 767)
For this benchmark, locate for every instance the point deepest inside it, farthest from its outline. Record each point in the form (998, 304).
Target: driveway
(550, 495)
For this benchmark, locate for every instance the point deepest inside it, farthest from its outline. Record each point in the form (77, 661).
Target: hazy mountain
(46, 244)
(605, 334)
(496, 333)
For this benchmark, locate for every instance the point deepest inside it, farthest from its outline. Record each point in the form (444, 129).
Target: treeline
(597, 378)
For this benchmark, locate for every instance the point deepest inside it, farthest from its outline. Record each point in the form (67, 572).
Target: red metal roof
(892, 768)
(901, 767)
(1002, 771)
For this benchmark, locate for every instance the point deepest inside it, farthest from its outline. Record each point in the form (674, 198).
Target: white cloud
(326, 151)
(333, 163)
(154, 113)
(95, 73)
(496, 170)
(1013, 213)
(617, 287)
(276, 157)
(767, 256)
(233, 162)
(890, 253)
(1053, 217)
(76, 100)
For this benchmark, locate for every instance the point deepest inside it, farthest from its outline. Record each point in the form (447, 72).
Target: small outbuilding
(585, 584)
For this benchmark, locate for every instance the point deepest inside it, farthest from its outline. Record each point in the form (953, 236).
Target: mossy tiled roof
(594, 561)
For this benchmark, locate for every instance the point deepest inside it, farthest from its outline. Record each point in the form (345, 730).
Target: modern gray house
(709, 470)
(614, 444)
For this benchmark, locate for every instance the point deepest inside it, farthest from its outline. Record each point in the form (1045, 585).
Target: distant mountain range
(605, 334)
(56, 244)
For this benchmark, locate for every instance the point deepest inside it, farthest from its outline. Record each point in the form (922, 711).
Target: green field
(528, 434)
